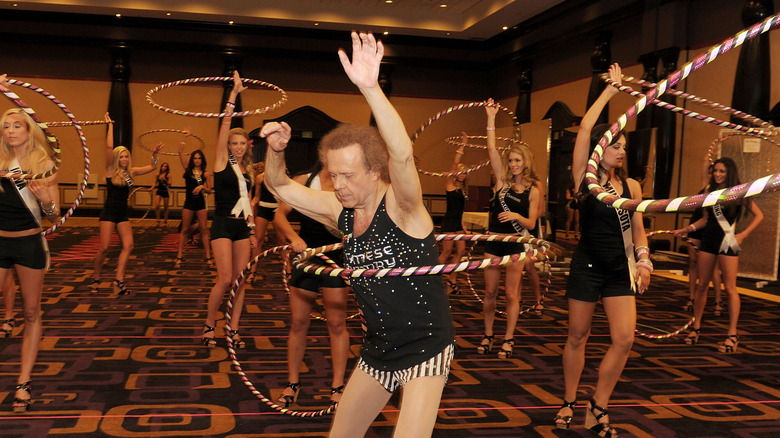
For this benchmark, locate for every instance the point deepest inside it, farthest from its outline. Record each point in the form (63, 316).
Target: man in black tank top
(380, 218)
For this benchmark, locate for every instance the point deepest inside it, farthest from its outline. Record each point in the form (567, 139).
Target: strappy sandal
(120, 288)
(688, 307)
(286, 401)
(603, 430)
(538, 308)
(454, 289)
(21, 404)
(485, 345)
(718, 309)
(564, 421)
(94, 285)
(334, 392)
(693, 336)
(7, 332)
(238, 343)
(729, 345)
(504, 353)
(208, 341)
(177, 263)
(210, 262)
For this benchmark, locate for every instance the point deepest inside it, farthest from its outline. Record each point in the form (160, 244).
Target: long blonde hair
(38, 148)
(117, 176)
(529, 171)
(246, 161)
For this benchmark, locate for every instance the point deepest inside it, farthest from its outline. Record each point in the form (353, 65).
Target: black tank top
(312, 232)
(116, 196)
(190, 182)
(601, 236)
(14, 213)
(408, 319)
(226, 191)
(517, 202)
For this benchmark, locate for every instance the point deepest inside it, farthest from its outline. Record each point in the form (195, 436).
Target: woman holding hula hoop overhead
(720, 243)
(303, 293)
(603, 266)
(119, 182)
(161, 196)
(378, 206)
(196, 186)
(24, 148)
(456, 189)
(232, 230)
(513, 210)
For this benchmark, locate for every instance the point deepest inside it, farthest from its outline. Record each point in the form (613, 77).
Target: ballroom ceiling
(476, 20)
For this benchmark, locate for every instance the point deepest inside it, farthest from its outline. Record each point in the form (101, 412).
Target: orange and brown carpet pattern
(133, 366)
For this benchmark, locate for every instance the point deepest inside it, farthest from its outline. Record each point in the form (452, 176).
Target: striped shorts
(438, 365)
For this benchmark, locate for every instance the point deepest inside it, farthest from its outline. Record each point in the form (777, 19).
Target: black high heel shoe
(333, 391)
(208, 341)
(238, 343)
(286, 401)
(693, 336)
(454, 289)
(504, 353)
(6, 333)
(603, 430)
(729, 345)
(20, 404)
(564, 421)
(485, 345)
(120, 287)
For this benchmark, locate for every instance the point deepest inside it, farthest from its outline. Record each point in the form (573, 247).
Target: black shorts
(195, 203)
(591, 278)
(114, 214)
(313, 282)
(502, 249)
(28, 251)
(163, 193)
(223, 227)
(713, 247)
(266, 213)
(451, 226)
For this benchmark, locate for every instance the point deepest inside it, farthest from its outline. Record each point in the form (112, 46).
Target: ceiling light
(168, 14)
(385, 33)
(316, 24)
(442, 6)
(118, 15)
(504, 28)
(230, 22)
(388, 1)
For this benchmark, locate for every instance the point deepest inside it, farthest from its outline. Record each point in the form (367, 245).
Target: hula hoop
(686, 239)
(439, 269)
(286, 285)
(146, 213)
(232, 351)
(53, 142)
(456, 141)
(175, 154)
(726, 136)
(522, 311)
(451, 110)
(216, 115)
(71, 123)
(762, 185)
(18, 101)
(702, 101)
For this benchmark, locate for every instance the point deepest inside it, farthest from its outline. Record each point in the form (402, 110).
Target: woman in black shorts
(513, 210)
(720, 243)
(119, 182)
(25, 148)
(232, 230)
(196, 186)
(457, 195)
(603, 266)
(304, 289)
(162, 196)
(265, 206)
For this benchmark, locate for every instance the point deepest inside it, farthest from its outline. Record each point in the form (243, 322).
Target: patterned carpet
(133, 366)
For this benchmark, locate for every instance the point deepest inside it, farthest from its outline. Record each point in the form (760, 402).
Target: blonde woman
(232, 230)
(24, 148)
(119, 181)
(513, 210)
(456, 189)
